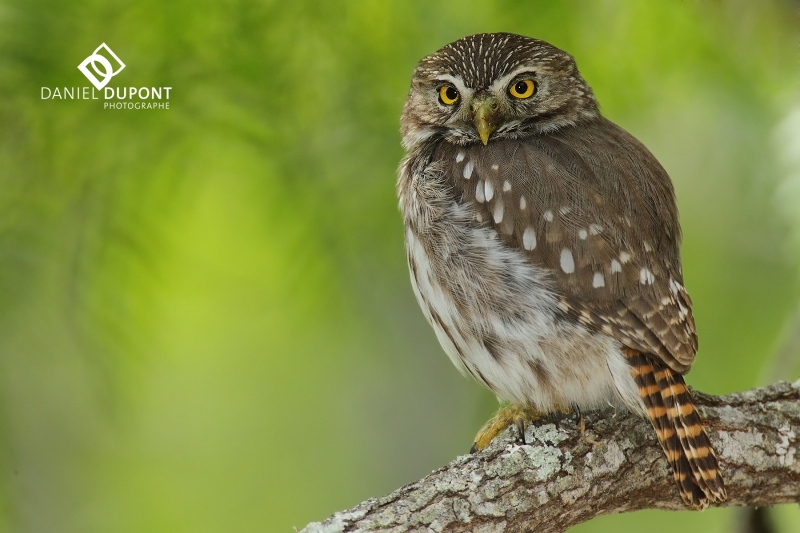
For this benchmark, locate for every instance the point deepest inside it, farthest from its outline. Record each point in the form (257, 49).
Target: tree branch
(562, 479)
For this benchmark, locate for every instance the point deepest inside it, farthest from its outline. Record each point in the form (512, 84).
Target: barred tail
(679, 429)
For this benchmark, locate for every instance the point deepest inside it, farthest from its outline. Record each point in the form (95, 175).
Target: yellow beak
(484, 112)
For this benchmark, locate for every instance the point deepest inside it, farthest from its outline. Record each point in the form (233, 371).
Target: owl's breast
(494, 312)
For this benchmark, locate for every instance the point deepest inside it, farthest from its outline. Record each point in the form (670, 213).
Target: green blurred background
(206, 322)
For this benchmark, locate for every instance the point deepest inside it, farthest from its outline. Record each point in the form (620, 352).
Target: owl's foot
(512, 413)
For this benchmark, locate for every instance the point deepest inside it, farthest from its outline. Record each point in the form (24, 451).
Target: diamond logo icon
(104, 65)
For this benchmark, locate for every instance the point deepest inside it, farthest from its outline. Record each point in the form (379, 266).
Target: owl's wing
(591, 205)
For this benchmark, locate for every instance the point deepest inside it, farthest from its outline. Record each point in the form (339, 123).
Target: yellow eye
(448, 95)
(522, 89)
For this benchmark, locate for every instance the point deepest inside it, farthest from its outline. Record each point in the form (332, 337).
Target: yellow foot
(512, 413)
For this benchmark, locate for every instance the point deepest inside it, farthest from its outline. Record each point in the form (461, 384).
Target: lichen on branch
(562, 478)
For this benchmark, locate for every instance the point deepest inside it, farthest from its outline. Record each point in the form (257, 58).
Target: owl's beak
(484, 112)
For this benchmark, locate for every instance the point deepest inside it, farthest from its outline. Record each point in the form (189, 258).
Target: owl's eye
(522, 89)
(448, 95)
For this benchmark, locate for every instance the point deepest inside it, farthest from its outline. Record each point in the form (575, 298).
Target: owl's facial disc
(485, 117)
(492, 87)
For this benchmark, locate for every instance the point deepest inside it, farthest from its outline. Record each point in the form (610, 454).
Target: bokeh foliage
(205, 319)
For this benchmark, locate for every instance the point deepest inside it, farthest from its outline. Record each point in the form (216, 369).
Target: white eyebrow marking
(501, 83)
(455, 80)
(567, 261)
(529, 238)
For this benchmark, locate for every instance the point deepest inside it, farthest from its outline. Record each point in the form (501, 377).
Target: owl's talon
(579, 420)
(510, 414)
(519, 422)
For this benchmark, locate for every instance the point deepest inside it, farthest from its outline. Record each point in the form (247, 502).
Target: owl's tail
(670, 409)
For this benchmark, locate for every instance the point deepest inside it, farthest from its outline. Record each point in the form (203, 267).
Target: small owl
(544, 245)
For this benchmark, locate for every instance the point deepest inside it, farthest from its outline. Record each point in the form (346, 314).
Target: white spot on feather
(468, 170)
(567, 261)
(506, 186)
(495, 167)
(647, 247)
(582, 234)
(459, 157)
(646, 277)
(479, 192)
(488, 189)
(598, 280)
(522, 203)
(615, 266)
(624, 257)
(594, 229)
(499, 208)
(529, 238)
(548, 215)
(674, 287)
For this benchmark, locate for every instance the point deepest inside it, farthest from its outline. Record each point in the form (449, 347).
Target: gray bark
(560, 478)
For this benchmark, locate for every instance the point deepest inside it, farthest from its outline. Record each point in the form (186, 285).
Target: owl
(543, 245)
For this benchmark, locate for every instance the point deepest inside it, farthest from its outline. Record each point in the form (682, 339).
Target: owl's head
(494, 86)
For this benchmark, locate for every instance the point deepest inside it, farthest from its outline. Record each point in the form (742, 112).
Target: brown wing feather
(594, 207)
